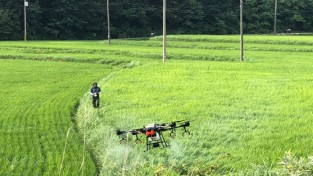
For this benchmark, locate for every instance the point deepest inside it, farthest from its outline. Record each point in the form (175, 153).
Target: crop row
(251, 46)
(117, 54)
(36, 112)
(124, 52)
(259, 39)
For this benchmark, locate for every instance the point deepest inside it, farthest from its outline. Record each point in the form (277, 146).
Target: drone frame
(156, 138)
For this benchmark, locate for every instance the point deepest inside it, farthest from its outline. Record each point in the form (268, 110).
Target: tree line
(87, 19)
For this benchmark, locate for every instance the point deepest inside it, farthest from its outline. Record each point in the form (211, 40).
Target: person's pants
(96, 102)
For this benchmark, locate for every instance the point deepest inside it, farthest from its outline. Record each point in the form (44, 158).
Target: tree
(85, 19)
(10, 13)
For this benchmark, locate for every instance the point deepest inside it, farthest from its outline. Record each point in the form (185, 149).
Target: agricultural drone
(154, 133)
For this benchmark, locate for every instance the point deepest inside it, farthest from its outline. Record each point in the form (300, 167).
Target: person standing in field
(94, 92)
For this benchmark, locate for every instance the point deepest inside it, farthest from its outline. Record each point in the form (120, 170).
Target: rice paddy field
(245, 115)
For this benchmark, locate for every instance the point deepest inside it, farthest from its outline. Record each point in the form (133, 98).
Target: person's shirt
(95, 91)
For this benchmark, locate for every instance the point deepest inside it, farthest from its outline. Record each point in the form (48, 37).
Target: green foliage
(294, 165)
(70, 19)
(290, 164)
(9, 25)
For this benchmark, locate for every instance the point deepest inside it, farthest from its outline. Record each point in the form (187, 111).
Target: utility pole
(108, 20)
(275, 17)
(25, 30)
(241, 31)
(164, 30)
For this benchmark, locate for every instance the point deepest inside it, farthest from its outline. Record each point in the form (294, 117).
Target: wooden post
(241, 31)
(275, 17)
(25, 30)
(164, 30)
(108, 20)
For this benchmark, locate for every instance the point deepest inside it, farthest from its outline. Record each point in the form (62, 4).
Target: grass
(241, 117)
(245, 114)
(37, 105)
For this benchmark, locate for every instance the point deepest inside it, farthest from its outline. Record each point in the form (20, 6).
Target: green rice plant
(36, 105)
(244, 112)
(260, 39)
(294, 165)
(289, 164)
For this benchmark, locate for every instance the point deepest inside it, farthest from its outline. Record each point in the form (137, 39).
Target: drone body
(154, 133)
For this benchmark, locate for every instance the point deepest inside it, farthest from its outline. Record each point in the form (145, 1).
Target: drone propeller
(177, 124)
(122, 135)
(174, 122)
(119, 132)
(178, 121)
(135, 132)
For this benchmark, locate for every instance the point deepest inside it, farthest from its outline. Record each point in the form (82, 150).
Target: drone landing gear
(186, 132)
(156, 141)
(124, 138)
(174, 126)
